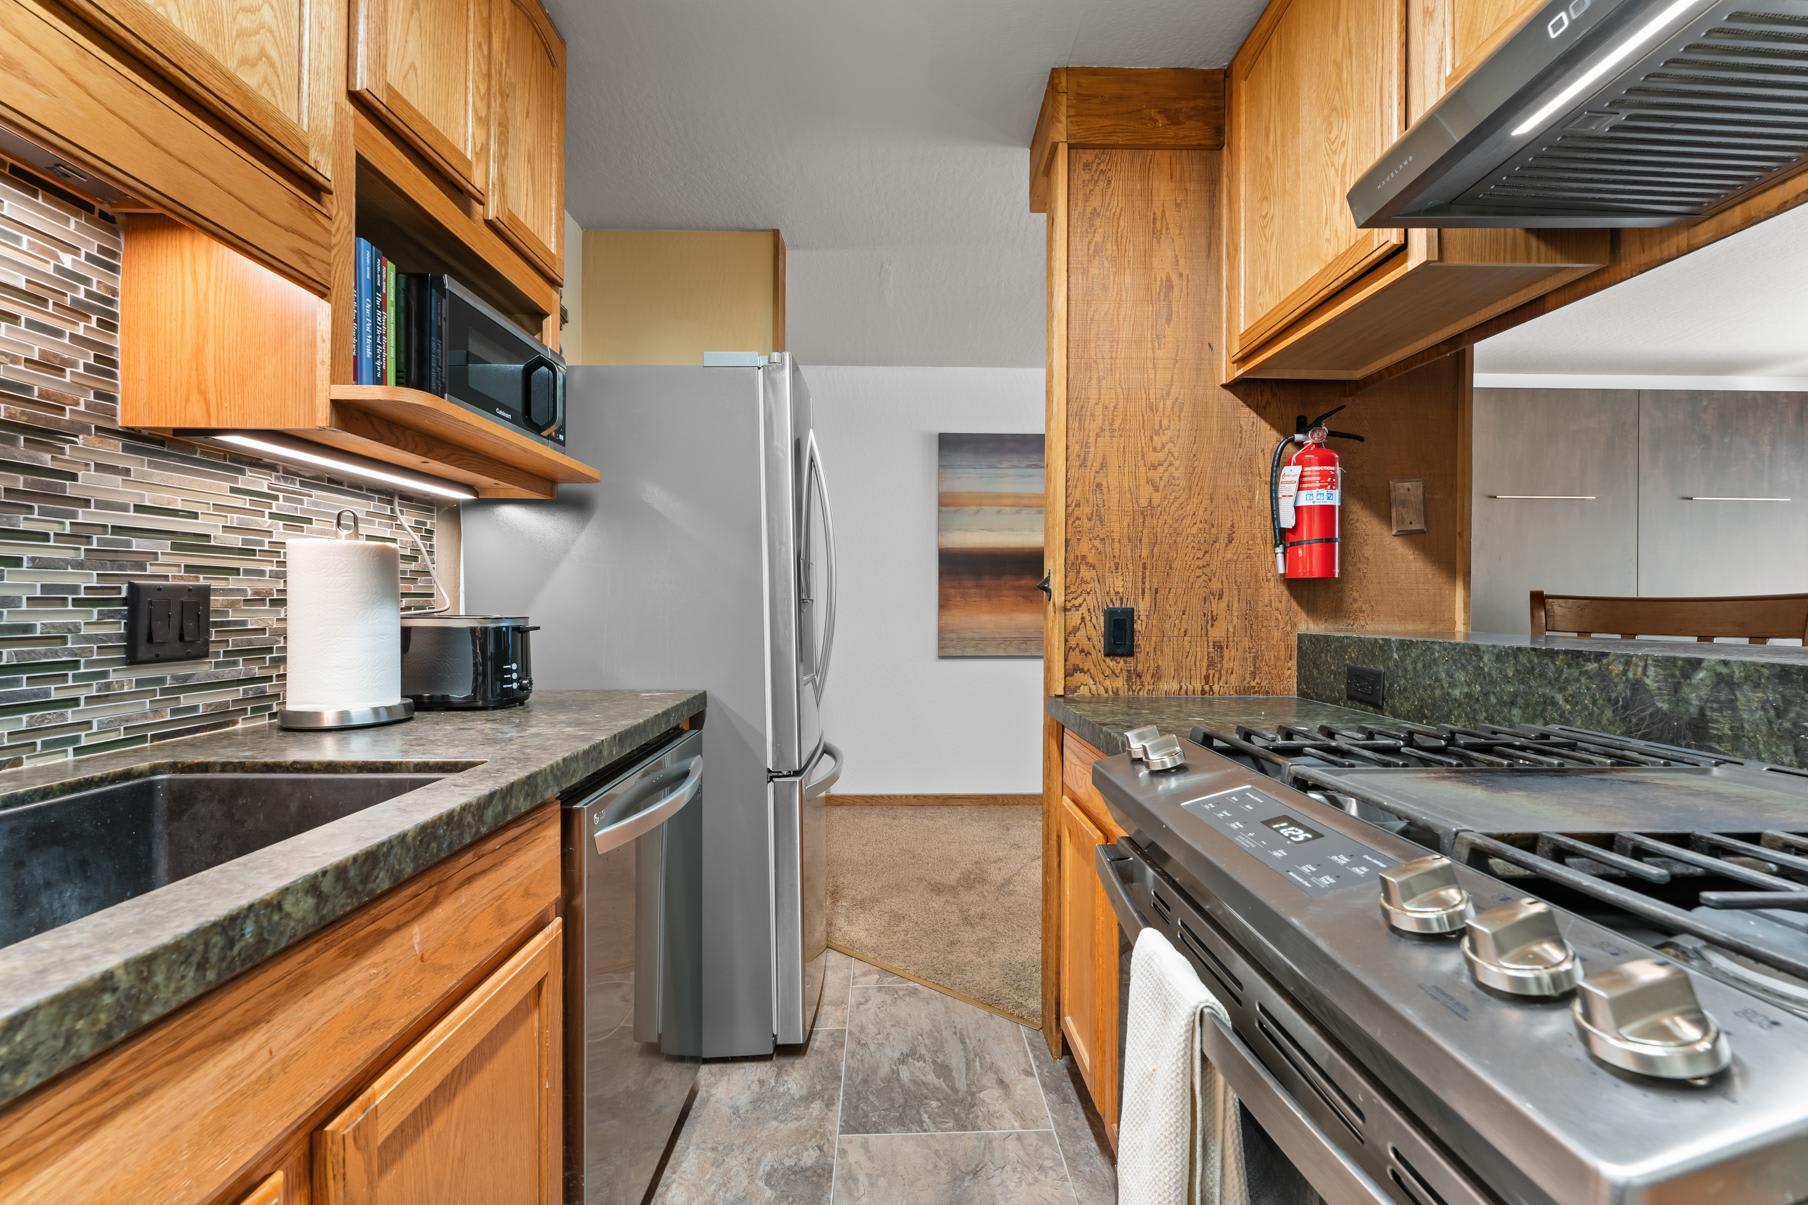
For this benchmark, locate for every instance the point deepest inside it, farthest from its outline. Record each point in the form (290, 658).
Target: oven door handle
(1117, 868)
(1321, 1161)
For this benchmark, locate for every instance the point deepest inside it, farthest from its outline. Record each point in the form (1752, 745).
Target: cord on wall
(432, 573)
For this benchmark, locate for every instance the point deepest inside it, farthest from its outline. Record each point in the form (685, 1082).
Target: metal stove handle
(1117, 868)
(1320, 1160)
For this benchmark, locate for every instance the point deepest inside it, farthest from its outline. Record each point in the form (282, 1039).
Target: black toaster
(466, 661)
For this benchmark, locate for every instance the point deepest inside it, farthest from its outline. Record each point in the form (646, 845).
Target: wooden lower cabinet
(410, 1046)
(1086, 945)
(471, 1111)
(1088, 970)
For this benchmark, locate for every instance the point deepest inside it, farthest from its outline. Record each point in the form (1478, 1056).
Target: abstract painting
(989, 545)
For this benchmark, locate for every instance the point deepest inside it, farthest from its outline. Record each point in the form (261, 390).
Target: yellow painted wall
(668, 296)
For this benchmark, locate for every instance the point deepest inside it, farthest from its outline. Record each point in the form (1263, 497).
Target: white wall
(910, 722)
(572, 292)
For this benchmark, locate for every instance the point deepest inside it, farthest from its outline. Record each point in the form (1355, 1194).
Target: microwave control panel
(1273, 833)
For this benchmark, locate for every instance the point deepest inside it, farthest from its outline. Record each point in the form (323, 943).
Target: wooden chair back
(1759, 618)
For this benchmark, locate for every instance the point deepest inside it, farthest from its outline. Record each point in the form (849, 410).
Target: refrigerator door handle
(821, 486)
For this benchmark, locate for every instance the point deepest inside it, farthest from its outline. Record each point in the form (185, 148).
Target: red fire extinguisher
(1303, 500)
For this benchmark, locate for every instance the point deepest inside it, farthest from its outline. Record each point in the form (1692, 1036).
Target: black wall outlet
(1364, 685)
(1120, 631)
(168, 621)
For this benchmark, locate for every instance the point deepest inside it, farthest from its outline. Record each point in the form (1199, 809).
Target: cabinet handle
(1544, 497)
(1710, 498)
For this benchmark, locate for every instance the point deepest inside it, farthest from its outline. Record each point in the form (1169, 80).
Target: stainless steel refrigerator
(704, 558)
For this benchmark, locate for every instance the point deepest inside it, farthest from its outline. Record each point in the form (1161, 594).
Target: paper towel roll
(345, 625)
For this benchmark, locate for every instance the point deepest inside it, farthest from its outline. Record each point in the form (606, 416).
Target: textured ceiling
(887, 140)
(1735, 310)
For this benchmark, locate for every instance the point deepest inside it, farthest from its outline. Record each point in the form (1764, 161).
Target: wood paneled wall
(1164, 473)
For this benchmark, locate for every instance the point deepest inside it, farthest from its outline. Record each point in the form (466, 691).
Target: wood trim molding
(1124, 108)
(1028, 801)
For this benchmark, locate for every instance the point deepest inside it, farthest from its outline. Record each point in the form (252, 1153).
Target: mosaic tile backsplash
(86, 507)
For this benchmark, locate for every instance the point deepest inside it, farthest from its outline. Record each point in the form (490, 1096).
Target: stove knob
(1137, 740)
(1422, 896)
(1163, 753)
(1517, 948)
(1643, 1016)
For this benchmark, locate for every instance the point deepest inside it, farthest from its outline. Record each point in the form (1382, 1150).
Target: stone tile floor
(902, 1095)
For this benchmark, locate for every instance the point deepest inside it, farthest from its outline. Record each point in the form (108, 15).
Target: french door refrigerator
(705, 557)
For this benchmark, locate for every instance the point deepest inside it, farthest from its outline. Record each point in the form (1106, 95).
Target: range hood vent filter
(1713, 109)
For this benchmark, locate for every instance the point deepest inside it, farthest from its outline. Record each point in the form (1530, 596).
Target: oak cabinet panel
(259, 65)
(1477, 26)
(424, 67)
(471, 1111)
(526, 201)
(1088, 971)
(1316, 95)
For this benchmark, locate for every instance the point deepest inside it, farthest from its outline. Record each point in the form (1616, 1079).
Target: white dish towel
(1179, 1140)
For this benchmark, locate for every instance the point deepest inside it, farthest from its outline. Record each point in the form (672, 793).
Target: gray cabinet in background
(1555, 499)
(1673, 493)
(1723, 493)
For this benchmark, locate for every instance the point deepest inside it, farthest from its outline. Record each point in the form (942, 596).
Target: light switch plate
(1408, 498)
(168, 621)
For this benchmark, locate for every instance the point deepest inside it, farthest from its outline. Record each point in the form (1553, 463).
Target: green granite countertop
(1101, 721)
(1608, 646)
(69, 993)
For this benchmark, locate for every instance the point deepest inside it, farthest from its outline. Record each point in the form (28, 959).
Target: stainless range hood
(1607, 113)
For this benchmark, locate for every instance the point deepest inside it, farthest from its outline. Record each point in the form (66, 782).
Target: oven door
(1289, 1148)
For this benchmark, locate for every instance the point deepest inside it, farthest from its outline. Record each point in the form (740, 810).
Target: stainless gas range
(1489, 964)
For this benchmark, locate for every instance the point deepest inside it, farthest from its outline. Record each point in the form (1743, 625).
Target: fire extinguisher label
(1320, 485)
(1289, 488)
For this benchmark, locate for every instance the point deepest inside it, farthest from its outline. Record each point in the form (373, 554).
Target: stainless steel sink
(71, 855)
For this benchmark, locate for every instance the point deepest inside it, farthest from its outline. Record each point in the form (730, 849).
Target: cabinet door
(1317, 93)
(271, 1191)
(423, 66)
(1555, 504)
(472, 1111)
(1088, 965)
(1723, 493)
(260, 68)
(527, 155)
(1477, 26)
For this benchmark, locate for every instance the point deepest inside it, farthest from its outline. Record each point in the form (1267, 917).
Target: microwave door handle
(821, 486)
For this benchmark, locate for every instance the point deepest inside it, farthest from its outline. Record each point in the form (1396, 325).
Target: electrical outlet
(1364, 685)
(168, 621)
(1120, 631)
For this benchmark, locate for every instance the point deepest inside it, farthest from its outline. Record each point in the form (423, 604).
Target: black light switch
(167, 621)
(1364, 685)
(1120, 631)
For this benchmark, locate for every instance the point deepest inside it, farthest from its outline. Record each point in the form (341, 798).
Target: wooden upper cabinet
(526, 200)
(261, 66)
(1316, 94)
(471, 1112)
(423, 66)
(1476, 27)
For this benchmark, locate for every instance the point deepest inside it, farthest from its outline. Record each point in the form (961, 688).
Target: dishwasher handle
(662, 809)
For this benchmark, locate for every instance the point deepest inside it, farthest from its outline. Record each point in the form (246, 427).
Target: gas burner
(1697, 846)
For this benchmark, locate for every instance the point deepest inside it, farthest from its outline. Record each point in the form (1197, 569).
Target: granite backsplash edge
(1740, 706)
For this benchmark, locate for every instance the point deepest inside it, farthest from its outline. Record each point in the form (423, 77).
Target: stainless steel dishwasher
(633, 970)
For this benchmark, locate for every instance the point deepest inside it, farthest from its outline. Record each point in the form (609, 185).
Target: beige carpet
(950, 896)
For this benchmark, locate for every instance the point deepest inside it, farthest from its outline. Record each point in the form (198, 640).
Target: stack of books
(400, 320)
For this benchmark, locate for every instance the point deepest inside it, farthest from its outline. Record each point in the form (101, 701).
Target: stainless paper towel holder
(353, 717)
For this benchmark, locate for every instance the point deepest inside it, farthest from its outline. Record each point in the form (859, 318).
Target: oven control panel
(1316, 860)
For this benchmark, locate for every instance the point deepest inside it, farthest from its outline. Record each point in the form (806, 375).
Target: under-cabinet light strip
(1711, 498)
(290, 451)
(1544, 497)
(1614, 58)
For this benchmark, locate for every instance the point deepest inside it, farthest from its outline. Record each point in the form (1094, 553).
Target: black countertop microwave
(491, 365)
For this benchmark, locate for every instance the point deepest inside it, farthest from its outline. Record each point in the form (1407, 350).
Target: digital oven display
(1314, 861)
(1292, 829)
